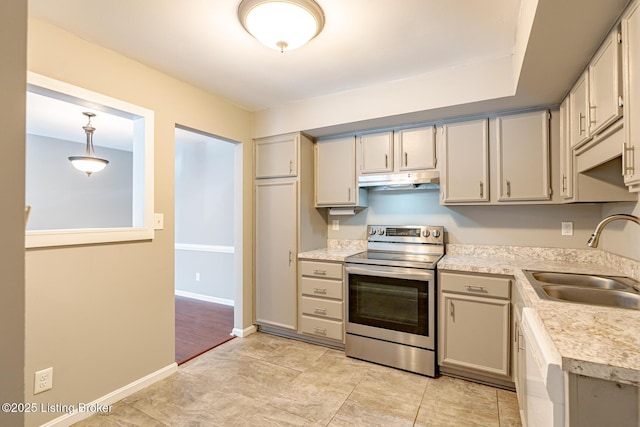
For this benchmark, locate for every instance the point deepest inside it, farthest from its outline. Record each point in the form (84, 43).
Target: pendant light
(88, 163)
(281, 24)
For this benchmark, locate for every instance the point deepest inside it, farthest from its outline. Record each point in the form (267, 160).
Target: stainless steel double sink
(612, 291)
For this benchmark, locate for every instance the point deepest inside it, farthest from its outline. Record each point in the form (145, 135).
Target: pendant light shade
(88, 163)
(281, 24)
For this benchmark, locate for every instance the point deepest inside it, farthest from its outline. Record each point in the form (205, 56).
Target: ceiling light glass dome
(281, 24)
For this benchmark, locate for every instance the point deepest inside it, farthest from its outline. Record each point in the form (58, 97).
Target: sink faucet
(595, 237)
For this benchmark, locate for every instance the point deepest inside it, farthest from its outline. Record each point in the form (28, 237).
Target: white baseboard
(207, 298)
(113, 397)
(244, 332)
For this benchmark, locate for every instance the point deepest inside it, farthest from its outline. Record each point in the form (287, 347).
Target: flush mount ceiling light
(88, 163)
(281, 24)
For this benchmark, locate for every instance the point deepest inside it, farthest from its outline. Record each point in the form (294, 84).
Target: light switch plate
(567, 228)
(335, 224)
(158, 221)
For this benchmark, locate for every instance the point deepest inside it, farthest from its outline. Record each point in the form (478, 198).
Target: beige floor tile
(219, 409)
(508, 409)
(265, 380)
(121, 415)
(353, 414)
(168, 397)
(319, 408)
(272, 416)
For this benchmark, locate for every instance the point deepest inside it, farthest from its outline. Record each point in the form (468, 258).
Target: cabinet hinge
(619, 37)
(550, 192)
(549, 115)
(435, 162)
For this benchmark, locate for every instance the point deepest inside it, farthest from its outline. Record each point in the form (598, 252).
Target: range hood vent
(419, 180)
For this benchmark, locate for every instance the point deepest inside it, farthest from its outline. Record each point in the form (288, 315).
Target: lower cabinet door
(474, 333)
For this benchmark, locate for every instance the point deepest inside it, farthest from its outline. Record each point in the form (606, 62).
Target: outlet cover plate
(43, 380)
(567, 228)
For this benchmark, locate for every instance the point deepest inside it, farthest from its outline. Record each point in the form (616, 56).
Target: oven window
(396, 304)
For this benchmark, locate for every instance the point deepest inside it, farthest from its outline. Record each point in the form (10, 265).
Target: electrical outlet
(567, 228)
(197, 277)
(335, 224)
(43, 381)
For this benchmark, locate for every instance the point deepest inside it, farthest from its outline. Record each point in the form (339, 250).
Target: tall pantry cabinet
(286, 222)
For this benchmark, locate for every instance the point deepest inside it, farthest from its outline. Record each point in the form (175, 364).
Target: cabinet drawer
(327, 270)
(322, 308)
(498, 287)
(321, 287)
(324, 328)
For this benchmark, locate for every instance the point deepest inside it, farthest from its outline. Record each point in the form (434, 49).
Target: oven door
(392, 303)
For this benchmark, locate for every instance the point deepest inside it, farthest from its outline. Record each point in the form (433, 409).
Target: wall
(530, 225)
(103, 315)
(205, 216)
(621, 237)
(60, 196)
(13, 47)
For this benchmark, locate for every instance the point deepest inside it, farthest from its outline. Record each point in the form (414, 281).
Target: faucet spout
(595, 236)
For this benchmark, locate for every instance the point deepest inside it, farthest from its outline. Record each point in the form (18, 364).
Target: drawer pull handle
(322, 311)
(475, 288)
(508, 188)
(319, 291)
(320, 272)
(320, 331)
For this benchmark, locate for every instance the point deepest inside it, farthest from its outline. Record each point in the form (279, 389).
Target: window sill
(50, 238)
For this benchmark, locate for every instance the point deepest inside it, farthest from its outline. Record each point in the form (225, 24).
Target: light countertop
(336, 250)
(595, 341)
(329, 254)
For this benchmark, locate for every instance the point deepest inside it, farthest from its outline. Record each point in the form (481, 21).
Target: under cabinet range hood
(418, 180)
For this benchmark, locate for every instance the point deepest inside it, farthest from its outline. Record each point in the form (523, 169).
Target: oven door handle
(392, 272)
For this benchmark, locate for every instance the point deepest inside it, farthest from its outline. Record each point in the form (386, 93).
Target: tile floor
(264, 380)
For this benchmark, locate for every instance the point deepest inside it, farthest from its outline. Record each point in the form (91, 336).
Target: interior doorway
(205, 243)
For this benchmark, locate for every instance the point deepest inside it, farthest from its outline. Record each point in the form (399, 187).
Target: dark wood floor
(200, 326)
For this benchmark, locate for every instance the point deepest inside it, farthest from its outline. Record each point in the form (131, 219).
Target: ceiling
(363, 43)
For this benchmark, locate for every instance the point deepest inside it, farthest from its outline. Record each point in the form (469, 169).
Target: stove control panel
(406, 234)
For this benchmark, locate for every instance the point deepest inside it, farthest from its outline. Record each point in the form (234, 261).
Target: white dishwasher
(544, 390)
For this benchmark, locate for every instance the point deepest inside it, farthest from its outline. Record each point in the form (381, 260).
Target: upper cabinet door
(466, 161)
(579, 108)
(417, 148)
(523, 156)
(631, 73)
(605, 85)
(566, 157)
(376, 153)
(336, 182)
(277, 156)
